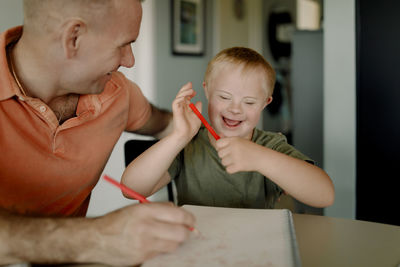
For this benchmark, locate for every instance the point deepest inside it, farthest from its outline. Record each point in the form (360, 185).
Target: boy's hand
(237, 154)
(186, 124)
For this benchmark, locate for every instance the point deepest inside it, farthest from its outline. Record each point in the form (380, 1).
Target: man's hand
(137, 233)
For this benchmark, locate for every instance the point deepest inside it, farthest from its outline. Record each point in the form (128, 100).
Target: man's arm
(127, 236)
(159, 124)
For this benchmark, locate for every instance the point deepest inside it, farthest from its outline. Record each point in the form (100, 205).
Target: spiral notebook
(236, 237)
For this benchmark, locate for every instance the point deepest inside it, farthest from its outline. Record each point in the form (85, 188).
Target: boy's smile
(231, 123)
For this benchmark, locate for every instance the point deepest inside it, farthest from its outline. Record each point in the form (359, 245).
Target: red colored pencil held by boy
(203, 120)
(135, 195)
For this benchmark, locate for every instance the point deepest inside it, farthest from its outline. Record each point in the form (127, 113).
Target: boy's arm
(300, 179)
(148, 172)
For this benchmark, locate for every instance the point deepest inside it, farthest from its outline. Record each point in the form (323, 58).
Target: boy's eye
(249, 101)
(223, 97)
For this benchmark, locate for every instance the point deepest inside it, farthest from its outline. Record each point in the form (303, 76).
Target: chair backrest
(134, 148)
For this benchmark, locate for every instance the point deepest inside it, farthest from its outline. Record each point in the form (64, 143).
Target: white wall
(340, 104)
(11, 14)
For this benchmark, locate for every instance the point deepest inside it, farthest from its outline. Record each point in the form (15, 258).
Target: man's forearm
(45, 240)
(124, 237)
(159, 125)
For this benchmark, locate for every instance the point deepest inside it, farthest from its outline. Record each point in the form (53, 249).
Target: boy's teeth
(231, 122)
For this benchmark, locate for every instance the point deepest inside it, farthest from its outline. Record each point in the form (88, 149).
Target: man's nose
(128, 59)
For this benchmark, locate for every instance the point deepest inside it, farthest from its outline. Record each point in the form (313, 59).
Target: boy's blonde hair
(247, 57)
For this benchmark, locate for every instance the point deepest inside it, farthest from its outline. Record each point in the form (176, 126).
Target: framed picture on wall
(188, 27)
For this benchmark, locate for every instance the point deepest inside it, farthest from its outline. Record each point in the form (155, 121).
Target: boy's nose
(235, 108)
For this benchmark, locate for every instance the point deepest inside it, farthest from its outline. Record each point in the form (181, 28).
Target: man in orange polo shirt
(63, 106)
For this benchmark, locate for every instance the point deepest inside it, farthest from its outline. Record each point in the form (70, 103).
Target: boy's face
(235, 100)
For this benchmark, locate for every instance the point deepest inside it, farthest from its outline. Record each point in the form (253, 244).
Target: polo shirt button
(42, 109)
(21, 98)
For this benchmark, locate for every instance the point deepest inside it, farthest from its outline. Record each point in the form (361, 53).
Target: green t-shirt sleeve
(176, 166)
(281, 145)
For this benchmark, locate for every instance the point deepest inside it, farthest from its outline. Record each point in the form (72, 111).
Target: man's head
(238, 84)
(82, 41)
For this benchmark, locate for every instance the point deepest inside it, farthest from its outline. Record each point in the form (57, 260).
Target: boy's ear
(268, 101)
(205, 89)
(71, 38)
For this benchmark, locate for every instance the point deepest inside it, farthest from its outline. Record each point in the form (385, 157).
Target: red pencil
(126, 190)
(132, 193)
(209, 128)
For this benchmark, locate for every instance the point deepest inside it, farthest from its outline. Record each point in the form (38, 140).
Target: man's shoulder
(118, 84)
(118, 78)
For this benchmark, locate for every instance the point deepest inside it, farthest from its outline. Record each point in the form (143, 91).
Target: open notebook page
(236, 237)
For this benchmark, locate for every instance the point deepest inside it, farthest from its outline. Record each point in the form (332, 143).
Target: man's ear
(73, 31)
(205, 89)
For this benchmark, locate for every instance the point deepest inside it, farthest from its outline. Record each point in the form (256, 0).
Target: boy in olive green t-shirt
(246, 167)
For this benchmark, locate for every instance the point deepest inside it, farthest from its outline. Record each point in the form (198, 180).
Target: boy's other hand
(237, 154)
